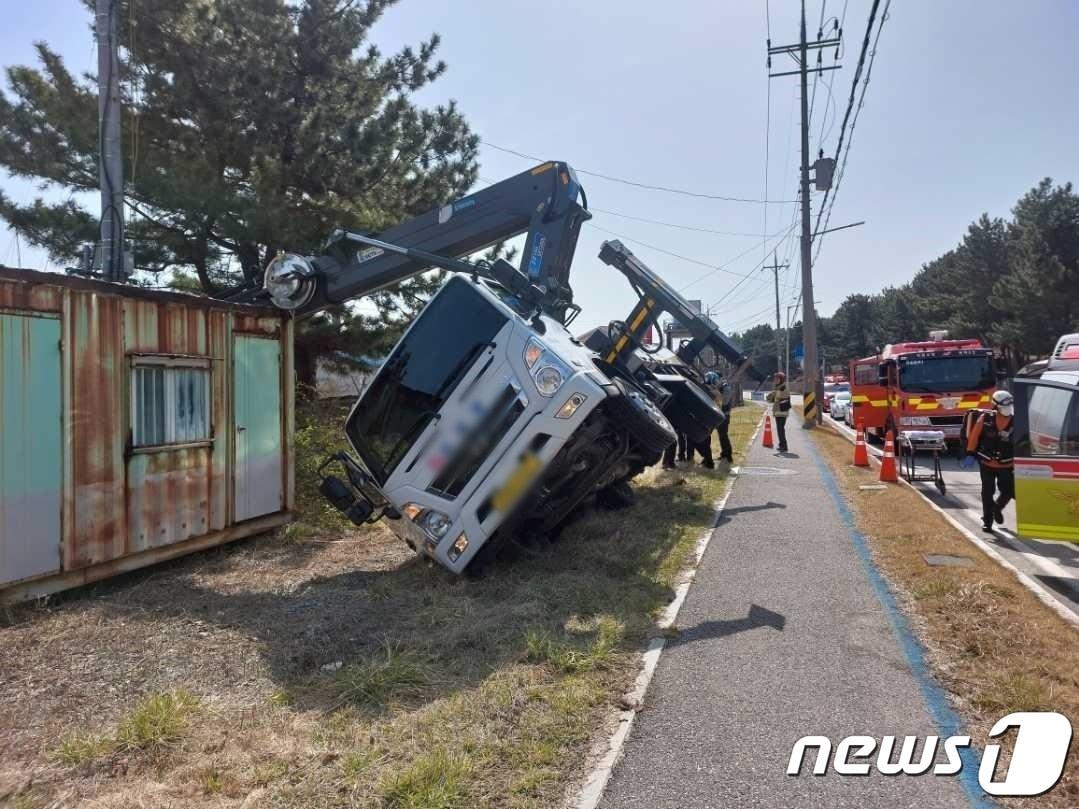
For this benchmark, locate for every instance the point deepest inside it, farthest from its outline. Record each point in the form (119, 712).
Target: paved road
(1054, 564)
(783, 635)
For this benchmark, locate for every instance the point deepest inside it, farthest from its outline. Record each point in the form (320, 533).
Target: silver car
(841, 406)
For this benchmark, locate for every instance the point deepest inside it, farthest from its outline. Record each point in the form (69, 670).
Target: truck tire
(640, 417)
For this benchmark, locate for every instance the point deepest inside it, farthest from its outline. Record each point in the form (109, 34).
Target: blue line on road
(946, 720)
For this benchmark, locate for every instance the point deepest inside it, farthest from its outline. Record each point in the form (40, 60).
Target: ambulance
(1047, 447)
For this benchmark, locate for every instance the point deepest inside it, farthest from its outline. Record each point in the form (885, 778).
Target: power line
(677, 225)
(820, 33)
(647, 186)
(850, 101)
(741, 322)
(752, 274)
(714, 268)
(593, 209)
(850, 137)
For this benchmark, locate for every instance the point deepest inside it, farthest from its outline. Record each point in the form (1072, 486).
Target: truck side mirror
(882, 374)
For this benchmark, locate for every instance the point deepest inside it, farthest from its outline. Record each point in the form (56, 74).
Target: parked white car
(840, 405)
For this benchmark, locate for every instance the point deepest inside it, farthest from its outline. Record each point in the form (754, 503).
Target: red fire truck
(922, 386)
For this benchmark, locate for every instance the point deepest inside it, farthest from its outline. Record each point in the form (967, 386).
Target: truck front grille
(945, 421)
(478, 444)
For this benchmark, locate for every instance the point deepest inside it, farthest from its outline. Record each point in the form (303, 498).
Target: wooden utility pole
(813, 388)
(775, 267)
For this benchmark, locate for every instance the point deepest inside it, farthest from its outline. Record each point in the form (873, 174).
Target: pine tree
(1041, 293)
(249, 126)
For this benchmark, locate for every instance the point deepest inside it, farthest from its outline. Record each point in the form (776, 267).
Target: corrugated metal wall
(119, 500)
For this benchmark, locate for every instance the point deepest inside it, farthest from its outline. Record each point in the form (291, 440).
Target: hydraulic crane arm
(542, 202)
(656, 297)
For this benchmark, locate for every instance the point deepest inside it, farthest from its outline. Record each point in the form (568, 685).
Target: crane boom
(542, 202)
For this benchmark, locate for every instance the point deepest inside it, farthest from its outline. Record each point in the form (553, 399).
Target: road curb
(1040, 592)
(596, 782)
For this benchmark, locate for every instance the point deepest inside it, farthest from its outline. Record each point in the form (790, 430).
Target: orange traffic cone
(861, 455)
(767, 430)
(887, 464)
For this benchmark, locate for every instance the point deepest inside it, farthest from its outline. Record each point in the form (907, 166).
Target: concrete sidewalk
(783, 636)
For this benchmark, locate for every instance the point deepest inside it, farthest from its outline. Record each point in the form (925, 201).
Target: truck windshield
(421, 374)
(946, 374)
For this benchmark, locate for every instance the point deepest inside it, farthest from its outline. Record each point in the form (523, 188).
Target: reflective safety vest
(995, 446)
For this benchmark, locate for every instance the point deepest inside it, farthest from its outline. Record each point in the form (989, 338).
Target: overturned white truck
(489, 422)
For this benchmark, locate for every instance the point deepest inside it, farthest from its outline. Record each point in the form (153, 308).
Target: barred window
(170, 401)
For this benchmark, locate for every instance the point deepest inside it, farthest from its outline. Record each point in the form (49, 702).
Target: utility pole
(788, 357)
(111, 168)
(775, 267)
(810, 392)
(813, 388)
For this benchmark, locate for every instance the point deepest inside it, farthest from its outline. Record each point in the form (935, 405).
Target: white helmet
(1003, 402)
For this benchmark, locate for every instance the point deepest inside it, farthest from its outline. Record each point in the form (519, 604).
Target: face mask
(1005, 410)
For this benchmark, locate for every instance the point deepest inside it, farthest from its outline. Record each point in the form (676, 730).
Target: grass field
(327, 666)
(991, 642)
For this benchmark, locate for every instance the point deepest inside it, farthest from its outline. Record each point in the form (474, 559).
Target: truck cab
(928, 385)
(479, 408)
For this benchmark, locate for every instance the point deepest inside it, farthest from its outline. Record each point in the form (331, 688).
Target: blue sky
(969, 105)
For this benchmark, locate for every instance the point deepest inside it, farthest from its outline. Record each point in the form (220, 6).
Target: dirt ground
(234, 624)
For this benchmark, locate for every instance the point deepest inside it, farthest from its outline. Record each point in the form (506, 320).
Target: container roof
(131, 291)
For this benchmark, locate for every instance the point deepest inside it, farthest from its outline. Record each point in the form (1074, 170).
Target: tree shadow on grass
(448, 633)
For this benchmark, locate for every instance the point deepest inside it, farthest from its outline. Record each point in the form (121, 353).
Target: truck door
(1047, 459)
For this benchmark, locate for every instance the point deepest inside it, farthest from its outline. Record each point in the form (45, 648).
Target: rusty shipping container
(135, 426)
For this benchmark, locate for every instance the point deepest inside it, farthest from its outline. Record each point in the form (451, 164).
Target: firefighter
(781, 404)
(990, 444)
(724, 396)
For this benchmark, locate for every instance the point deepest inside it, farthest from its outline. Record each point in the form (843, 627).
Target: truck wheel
(618, 495)
(640, 417)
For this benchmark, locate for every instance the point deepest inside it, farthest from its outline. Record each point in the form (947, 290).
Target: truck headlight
(548, 380)
(533, 351)
(567, 410)
(459, 546)
(914, 421)
(435, 524)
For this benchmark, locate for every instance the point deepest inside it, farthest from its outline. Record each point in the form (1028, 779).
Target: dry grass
(992, 643)
(327, 666)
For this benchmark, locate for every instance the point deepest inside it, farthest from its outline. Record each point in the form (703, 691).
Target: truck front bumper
(491, 498)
